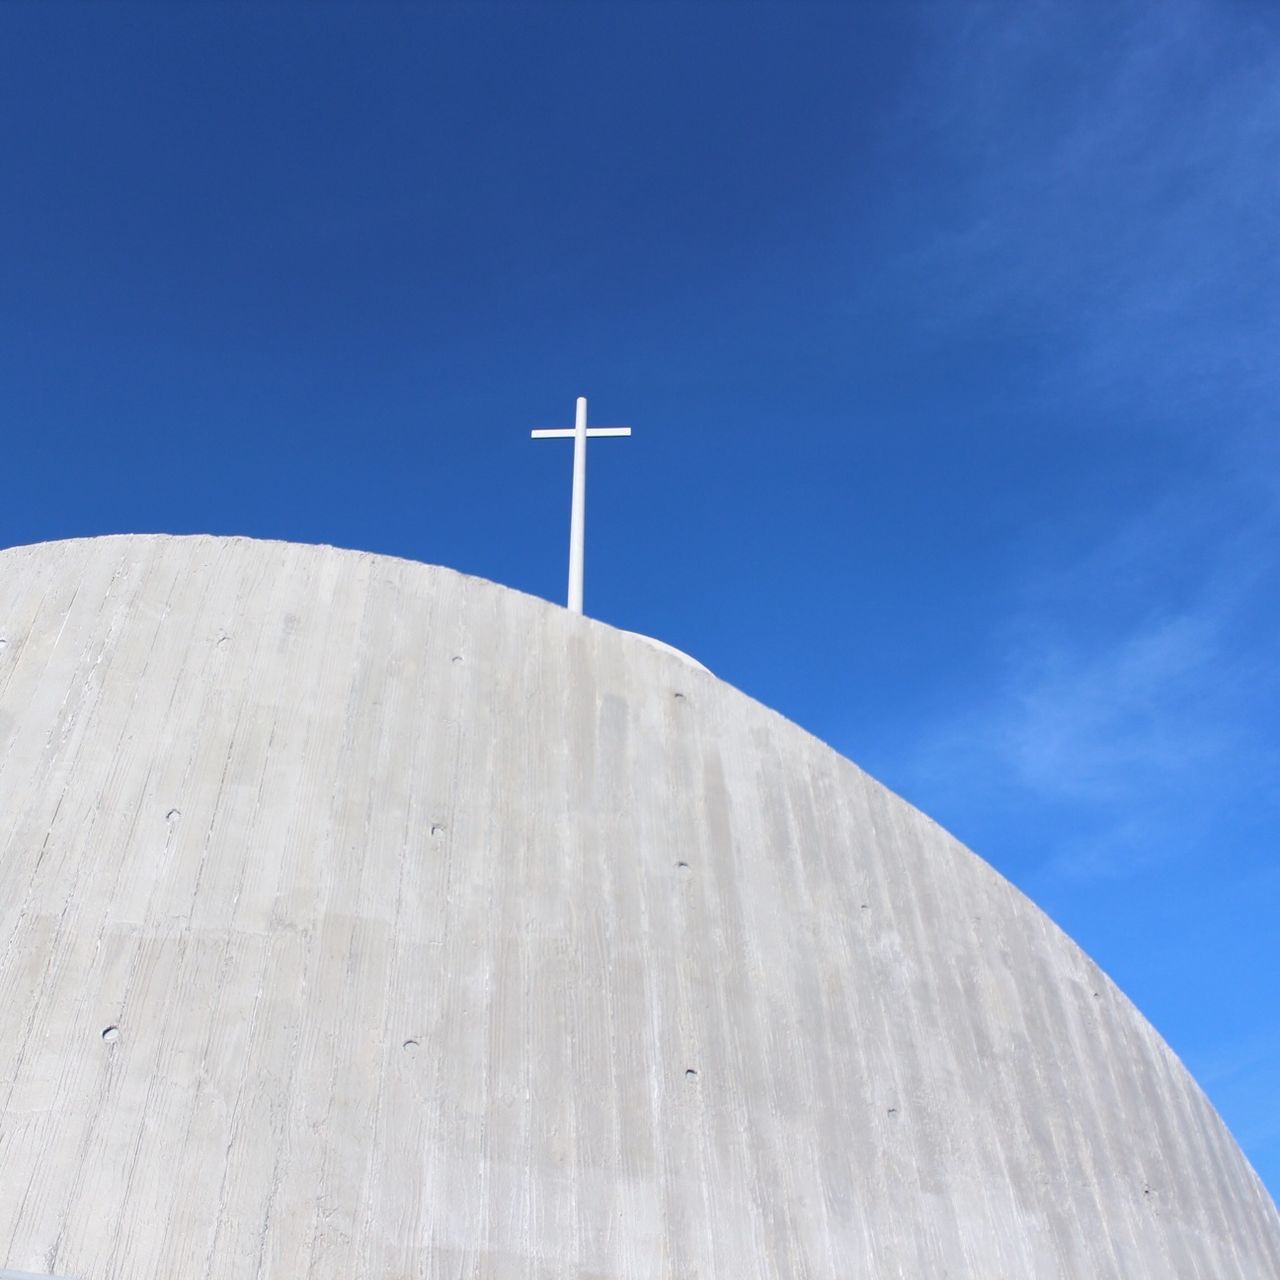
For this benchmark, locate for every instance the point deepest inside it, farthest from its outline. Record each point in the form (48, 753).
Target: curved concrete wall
(360, 919)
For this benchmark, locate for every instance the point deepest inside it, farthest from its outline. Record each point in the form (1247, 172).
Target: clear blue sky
(948, 332)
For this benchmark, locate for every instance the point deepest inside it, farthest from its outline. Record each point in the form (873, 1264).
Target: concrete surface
(359, 919)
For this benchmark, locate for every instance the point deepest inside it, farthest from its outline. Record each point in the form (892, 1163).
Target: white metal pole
(578, 519)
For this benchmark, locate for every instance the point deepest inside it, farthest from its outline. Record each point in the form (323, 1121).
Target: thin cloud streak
(1133, 728)
(1114, 190)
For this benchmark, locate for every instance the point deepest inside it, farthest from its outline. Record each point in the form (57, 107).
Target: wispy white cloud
(1115, 193)
(1114, 190)
(1136, 694)
(1083, 724)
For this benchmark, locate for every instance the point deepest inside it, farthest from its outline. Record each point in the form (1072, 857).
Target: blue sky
(948, 333)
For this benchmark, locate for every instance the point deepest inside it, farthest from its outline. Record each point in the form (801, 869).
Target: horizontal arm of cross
(561, 433)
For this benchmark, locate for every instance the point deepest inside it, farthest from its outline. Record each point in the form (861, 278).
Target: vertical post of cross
(578, 514)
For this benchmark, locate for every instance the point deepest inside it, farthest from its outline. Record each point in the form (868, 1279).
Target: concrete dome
(360, 920)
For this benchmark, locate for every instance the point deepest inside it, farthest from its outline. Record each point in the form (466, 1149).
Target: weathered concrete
(447, 934)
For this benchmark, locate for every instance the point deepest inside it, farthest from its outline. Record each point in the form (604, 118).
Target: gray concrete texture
(359, 919)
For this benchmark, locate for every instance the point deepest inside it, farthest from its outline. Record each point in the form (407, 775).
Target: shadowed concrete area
(362, 920)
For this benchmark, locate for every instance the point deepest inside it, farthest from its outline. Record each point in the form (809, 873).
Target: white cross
(578, 517)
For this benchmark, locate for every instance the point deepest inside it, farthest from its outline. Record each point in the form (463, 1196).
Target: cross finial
(578, 517)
